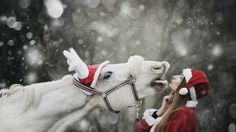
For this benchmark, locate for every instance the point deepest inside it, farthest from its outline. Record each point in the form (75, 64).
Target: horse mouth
(158, 82)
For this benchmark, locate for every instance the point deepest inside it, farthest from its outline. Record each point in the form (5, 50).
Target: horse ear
(134, 63)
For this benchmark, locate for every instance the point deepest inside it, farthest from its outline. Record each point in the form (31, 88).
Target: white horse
(56, 105)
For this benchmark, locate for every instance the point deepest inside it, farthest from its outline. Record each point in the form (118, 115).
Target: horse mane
(31, 98)
(9, 91)
(32, 94)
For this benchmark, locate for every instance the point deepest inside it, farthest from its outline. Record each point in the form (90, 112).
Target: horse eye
(107, 75)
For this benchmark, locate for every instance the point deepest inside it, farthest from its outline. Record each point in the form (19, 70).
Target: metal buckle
(137, 107)
(131, 79)
(104, 95)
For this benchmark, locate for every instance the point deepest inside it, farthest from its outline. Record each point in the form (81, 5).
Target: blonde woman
(177, 113)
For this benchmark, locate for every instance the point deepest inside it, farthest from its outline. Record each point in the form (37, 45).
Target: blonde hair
(175, 102)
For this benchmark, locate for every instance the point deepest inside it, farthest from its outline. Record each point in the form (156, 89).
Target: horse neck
(34, 92)
(46, 87)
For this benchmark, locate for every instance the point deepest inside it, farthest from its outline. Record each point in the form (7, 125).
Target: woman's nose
(175, 76)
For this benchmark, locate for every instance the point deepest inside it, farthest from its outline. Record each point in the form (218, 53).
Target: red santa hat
(92, 74)
(197, 84)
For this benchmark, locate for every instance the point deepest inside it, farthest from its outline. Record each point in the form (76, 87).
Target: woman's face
(176, 81)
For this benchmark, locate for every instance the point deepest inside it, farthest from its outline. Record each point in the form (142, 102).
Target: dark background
(197, 33)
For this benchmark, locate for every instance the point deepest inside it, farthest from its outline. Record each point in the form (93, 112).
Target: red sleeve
(140, 125)
(182, 121)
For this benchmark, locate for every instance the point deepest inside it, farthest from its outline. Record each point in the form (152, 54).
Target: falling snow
(33, 57)
(199, 35)
(54, 8)
(31, 77)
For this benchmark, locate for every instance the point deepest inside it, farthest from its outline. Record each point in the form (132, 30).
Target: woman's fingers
(166, 98)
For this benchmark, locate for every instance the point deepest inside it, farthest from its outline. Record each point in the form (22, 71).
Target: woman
(177, 113)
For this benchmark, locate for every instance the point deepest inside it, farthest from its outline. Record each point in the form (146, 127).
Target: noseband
(130, 80)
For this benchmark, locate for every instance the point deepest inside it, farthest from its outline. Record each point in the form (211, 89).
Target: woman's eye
(107, 75)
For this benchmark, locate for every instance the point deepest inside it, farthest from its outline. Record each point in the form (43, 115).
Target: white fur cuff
(147, 116)
(191, 103)
(150, 120)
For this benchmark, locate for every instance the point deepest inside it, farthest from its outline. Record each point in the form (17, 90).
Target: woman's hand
(149, 117)
(163, 105)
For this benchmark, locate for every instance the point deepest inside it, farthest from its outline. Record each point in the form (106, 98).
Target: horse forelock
(134, 64)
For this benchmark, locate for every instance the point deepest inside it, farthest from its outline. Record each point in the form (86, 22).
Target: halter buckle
(104, 95)
(132, 79)
(137, 107)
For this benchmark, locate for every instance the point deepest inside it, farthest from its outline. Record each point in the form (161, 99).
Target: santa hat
(92, 74)
(197, 84)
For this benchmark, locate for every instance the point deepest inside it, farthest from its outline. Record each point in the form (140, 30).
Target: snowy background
(197, 33)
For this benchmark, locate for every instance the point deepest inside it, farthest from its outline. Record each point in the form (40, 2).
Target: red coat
(183, 120)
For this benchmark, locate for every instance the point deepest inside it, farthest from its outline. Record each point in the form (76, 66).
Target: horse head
(147, 77)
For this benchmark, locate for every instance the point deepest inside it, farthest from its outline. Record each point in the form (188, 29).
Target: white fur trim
(147, 116)
(97, 73)
(191, 103)
(193, 94)
(134, 63)
(150, 120)
(76, 77)
(187, 74)
(158, 119)
(183, 91)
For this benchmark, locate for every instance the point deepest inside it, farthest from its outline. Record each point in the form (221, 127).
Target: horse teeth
(161, 81)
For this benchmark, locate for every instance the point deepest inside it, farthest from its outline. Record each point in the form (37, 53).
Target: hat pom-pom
(183, 91)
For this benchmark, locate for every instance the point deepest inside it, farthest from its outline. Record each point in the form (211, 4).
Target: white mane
(31, 97)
